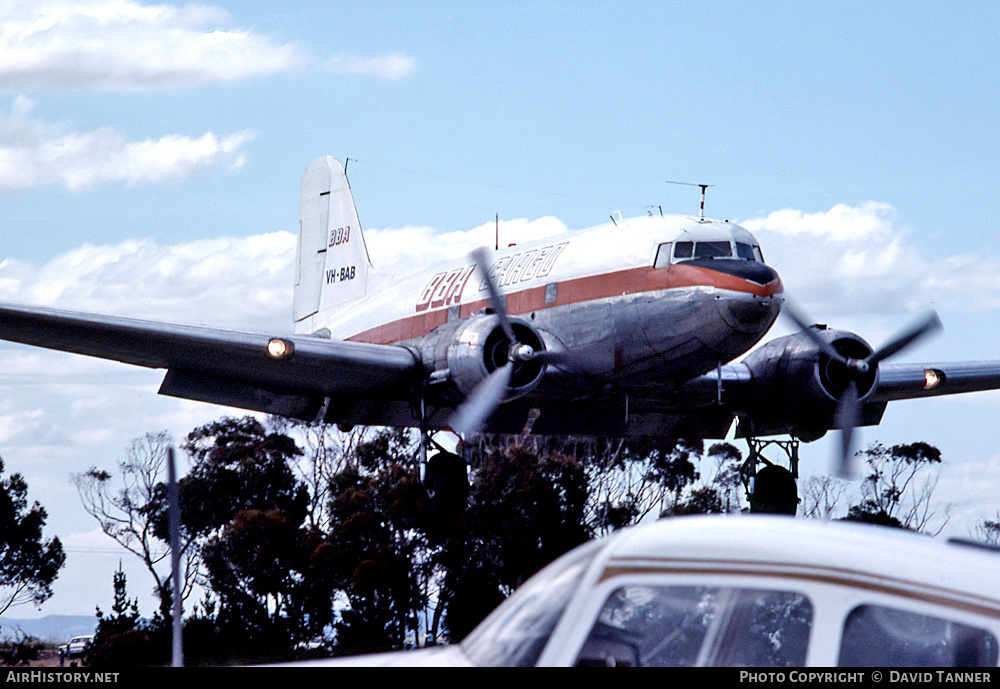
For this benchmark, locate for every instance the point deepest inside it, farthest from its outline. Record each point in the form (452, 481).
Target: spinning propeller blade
(478, 406)
(848, 415)
(495, 299)
(476, 409)
(925, 326)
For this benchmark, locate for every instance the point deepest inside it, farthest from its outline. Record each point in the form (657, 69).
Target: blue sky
(150, 157)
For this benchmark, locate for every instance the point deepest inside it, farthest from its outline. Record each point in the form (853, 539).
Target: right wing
(223, 366)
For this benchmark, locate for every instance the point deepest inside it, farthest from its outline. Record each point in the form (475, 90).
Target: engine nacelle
(797, 387)
(474, 348)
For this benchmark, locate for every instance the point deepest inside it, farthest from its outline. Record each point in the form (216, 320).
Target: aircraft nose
(758, 274)
(749, 312)
(750, 277)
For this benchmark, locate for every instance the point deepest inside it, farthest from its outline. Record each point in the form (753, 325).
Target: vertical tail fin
(332, 263)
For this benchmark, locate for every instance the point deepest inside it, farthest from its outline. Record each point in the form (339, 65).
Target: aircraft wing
(223, 366)
(907, 381)
(768, 406)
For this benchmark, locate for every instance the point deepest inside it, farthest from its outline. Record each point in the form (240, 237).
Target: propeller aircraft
(630, 328)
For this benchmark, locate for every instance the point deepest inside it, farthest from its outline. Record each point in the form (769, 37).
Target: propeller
(476, 409)
(480, 404)
(848, 414)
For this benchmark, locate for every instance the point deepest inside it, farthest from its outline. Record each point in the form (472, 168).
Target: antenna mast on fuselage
(701, 213)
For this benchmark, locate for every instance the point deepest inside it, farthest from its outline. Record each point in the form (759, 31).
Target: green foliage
(20, 649)
(28, 563)
(376, 545)
(524, 511)
(123, 638)
(352, 542)
(237, 465)
(246, 509)
(701, 500)
(897, 490)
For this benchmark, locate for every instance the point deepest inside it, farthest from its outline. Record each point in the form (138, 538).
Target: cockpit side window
(663, 255)
(757, 253)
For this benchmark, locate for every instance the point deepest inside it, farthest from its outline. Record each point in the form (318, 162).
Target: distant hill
(55, 628)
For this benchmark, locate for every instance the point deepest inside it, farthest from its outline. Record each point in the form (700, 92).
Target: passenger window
(551, 292)
(684, 250)
(684, 626)
(876, 636)
(662, 256)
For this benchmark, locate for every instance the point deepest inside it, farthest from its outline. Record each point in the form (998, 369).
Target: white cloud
(245, 282)
(391, 67)
(846, 261)
(410, 249)
(35, 153)
(858, 259)
(127, 45)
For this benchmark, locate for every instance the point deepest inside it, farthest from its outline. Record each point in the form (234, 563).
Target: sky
(150, 159)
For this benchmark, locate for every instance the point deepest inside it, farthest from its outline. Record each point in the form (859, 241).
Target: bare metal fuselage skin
(636, 322)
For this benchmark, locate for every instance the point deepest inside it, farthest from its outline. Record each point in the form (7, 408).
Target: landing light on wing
(932, 378)
(279, 349)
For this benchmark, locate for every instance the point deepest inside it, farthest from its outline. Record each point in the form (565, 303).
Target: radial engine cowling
(475, 348)
(797, 387)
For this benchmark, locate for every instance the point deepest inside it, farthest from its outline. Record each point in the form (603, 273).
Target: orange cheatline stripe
(574, 291)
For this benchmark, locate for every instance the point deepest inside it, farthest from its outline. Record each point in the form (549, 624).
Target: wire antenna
(701, 212)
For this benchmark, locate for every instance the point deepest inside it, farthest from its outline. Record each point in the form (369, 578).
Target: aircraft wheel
(774, 492)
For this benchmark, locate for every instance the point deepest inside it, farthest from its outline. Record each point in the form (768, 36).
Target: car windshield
(516, 632)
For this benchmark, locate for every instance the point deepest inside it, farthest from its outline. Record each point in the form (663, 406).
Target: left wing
(907, 381)
(224, 366)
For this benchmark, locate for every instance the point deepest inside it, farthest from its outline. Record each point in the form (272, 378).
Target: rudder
(332, 263)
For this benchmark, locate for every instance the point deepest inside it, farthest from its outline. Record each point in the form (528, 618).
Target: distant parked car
(76, 647)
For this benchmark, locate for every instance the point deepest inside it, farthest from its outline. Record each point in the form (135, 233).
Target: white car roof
(838, 552)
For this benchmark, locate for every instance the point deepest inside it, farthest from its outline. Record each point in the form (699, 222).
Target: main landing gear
(772, 488)
(445, 475)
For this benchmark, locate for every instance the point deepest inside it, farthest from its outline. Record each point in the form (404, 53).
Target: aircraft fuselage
(642, 303)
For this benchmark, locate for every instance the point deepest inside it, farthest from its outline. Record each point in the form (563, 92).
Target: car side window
(877, 636)
(684, 626)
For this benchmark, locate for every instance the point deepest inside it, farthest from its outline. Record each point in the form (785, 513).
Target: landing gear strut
(445, 476)
(772, 488)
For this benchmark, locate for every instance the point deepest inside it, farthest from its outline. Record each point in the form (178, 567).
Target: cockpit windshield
(713, 250)
(716, 249)
(749, 252)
